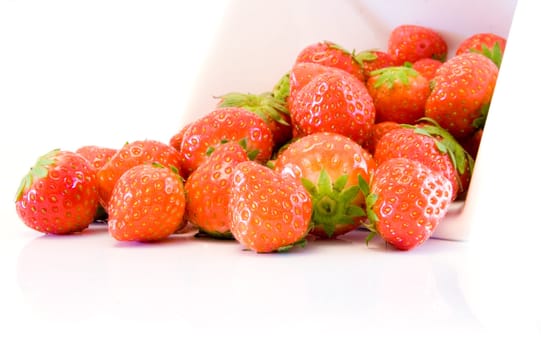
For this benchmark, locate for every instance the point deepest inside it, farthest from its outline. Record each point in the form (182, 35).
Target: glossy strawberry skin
(96, 155)
(461, 93)
(306, 158)
(301, 74)
(489, 44)
(267, 212)
(208, 188)
(333, 102)
(225, 124)
(329, 54)
(410, 201)
(147, 204)
(409, 43)
(130, 155)
(372, 60)
(427, 67)
(399, 94)
(59, 195)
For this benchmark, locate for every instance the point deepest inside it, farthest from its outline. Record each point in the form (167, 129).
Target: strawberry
(301, 74)
(427, 67)
(98, 157)
(208, 188)
(376, 132)
(329, 165)
(399, 94)
(489, 44)
(59, 195)
(431, 145)
(267, 212)
(330, 54)
(221, 125)
(334, 102)
(176, 140)
(272, 110)
(471, 143)
(409, 43)
(147, 204)
(461, 93)
(406, 202)
(130, 155)
(372, 60)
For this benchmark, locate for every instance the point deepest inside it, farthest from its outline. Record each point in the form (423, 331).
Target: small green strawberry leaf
(309, 186)
(324, 182)
(301, 244)
(363, 185)
(349, 194)
(340, 183)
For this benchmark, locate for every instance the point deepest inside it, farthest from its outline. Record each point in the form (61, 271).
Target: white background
(74, 73)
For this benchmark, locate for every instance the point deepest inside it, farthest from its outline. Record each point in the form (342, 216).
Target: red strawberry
(330, 54)
(372, 60)
(377, 131)
(471, 143)
(399, 94)
(130, 155)
(267, 212)
(225, 124)
(96, 155)
(329, 165)
(461, 93)
(431, 145)
(427, 67)
(333, 102)
(407, 201)
(273, 111)
(301, 74)
(208, 188)
(59, 195)
(147, 204)
(176, 140)
(489, 44)
(410, 43)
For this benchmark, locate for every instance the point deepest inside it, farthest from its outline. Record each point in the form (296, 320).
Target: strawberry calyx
(495, 53)
(390, 75)
(332, 202)
(446, 143)
(370, 200)
(252, 154)
(281, 90)
(300, 243)
(265, 105)
(38, 171)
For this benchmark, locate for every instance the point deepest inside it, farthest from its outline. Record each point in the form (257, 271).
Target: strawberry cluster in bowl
(380, 140)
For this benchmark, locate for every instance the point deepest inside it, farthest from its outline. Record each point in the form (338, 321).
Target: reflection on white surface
(75, 277)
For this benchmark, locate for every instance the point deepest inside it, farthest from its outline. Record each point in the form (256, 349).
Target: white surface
(127, 62)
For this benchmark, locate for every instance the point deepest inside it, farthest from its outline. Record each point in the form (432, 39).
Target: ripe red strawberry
(225, 124)
(333, 102)
(272, 110)
(372, 60)
(461, 93)
(471, 143)
(406, 203)
(267, 212)
(410, 43)
(130, 155)
(301, 74)
(98, 157)
(431, 145)
(377, 131)
(427, 67)
(330, 54)
(59, 195)
(147, 204)
(208, 188)
(399, 94)
(176, 140)
(489, 44)
(329, 165)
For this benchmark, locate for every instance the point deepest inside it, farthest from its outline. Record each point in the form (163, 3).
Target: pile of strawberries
(380, 140)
